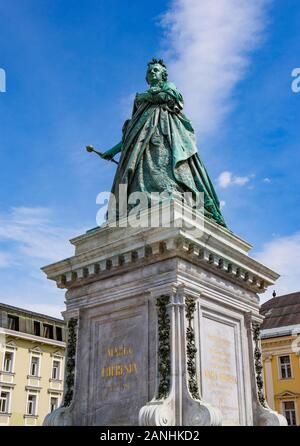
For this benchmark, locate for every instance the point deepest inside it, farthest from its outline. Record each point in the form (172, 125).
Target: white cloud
(222, 204)
(267, 180)
(29, 239)
(283, 255)
(227, 179)
(224, 179)
(30, 289)
(208, 45)
(32, 233)
(5, 260)
(240, 181)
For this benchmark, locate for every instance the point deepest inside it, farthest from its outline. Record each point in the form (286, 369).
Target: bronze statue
(158, 147)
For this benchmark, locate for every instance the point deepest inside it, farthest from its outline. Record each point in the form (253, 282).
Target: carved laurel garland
(258, 364)
(70, 364)
(164, 364)
(191, 348)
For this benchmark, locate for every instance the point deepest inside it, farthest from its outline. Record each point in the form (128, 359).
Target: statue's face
(154, 74)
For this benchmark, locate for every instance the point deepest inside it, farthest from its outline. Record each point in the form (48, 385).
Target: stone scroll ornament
(258, 364)
(70, 363)
(191, 349)
(164, 363)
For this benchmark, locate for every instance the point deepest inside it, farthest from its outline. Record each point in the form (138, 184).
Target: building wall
(20, 383)
(278, 389)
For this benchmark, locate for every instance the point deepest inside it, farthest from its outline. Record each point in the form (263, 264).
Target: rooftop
(12, 309)
(281, 311)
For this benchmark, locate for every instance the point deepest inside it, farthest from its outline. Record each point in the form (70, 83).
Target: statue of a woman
(158, 147)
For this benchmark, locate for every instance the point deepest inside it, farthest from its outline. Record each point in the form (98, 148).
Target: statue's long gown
(159, 153)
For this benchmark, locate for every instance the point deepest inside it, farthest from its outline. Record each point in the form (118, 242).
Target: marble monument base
(163, 328)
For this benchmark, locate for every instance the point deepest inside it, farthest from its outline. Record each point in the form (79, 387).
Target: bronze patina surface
(158, 147)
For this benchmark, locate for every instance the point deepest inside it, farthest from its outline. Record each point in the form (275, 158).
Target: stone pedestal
(163, 328)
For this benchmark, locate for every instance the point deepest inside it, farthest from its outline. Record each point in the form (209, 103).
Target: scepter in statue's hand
(91, 149)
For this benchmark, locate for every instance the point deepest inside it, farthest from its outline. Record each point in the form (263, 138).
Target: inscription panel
(120, 372)
(220, 375)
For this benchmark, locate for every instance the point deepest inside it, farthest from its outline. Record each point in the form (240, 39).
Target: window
(285, 367)
(13, 322)
(34, 367)
(58, 333)
(4, 402)
(31, 405)
(289, 412)
(53, 403)
(36, 328)
(48, 331)
(8, 361)
(55, 370)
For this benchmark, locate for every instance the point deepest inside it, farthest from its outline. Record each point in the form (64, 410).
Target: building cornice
(287, 394)
(30, 314)
(33, 388)
(32, 338)
(287, 330)
(57, 391)
(57, 355)
(276, 342)
(7, 384)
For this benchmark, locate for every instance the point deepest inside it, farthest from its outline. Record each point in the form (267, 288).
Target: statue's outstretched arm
(109, 154)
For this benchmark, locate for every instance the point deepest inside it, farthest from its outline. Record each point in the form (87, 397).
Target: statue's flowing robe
(159, 152)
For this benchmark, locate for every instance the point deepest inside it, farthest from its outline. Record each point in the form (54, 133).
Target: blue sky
(72, 69)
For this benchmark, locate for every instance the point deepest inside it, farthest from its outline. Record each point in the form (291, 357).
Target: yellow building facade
(32, 351)
(280, 341)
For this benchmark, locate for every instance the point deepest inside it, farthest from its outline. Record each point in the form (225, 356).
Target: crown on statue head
(157, 61)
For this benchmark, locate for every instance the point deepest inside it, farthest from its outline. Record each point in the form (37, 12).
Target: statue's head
(156, 72)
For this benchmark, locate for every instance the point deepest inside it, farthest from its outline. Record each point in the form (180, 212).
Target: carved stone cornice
(107, 251)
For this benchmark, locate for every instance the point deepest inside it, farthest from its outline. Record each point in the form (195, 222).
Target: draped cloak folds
(159, 153)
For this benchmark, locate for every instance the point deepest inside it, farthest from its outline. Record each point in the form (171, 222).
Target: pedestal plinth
(163, 328)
